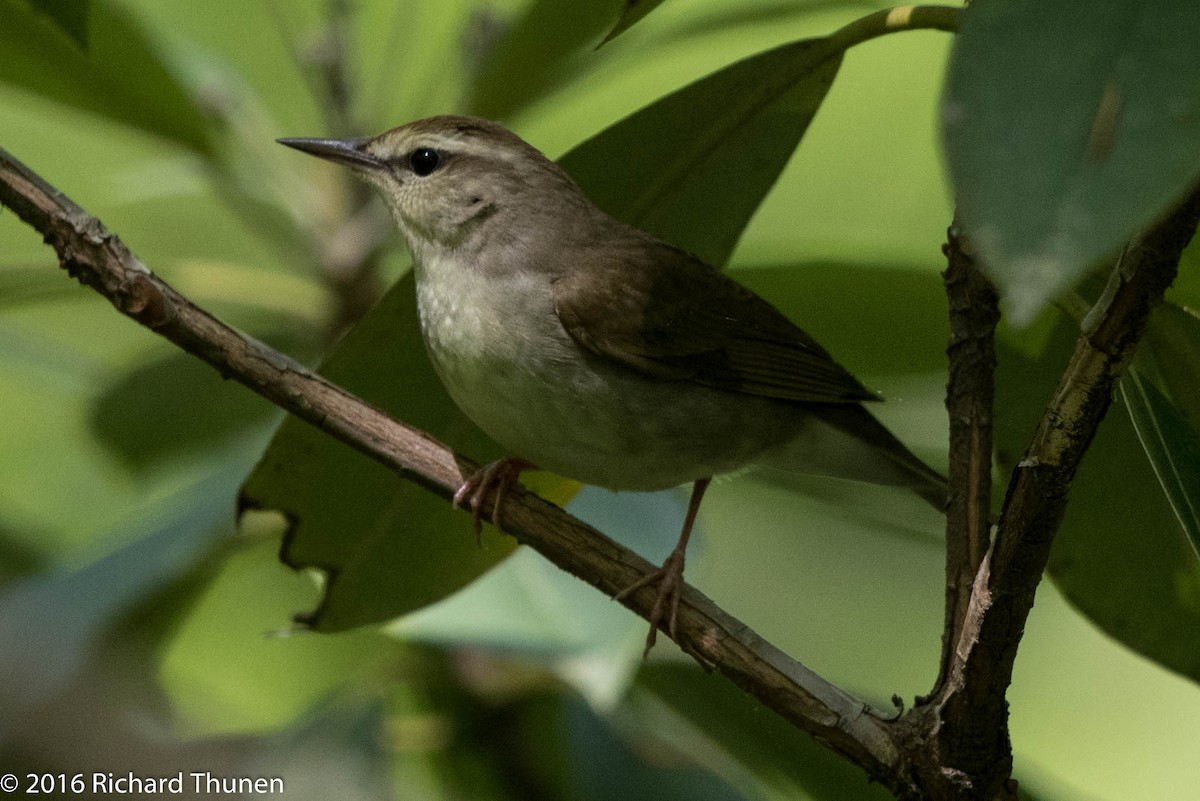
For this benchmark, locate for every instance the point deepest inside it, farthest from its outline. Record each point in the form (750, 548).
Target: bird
(592, 349)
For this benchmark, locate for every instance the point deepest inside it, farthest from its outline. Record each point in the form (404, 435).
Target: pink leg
(669, 577)
(500, 475)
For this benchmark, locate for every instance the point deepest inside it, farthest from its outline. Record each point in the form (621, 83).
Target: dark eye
(424, 160)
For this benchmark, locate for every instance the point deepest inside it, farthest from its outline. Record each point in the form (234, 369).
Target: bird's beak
(346, 151)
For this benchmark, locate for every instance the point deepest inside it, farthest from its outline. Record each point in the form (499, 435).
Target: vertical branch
(974, 313)
(335, 67)
(971, 734)
(351, 272)
(349, 258)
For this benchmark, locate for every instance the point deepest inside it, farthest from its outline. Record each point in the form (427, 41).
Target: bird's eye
(424, 160)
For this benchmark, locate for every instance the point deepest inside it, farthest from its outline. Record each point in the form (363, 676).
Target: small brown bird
(592, 349)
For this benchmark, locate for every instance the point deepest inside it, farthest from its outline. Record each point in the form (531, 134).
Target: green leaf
(729, 17)
(1162, 391)
(20, 286)
(230, 666)
(694, 166)
(176, 406)
(906, 310)
(534, 55)
(1171, 352)
(741, 740)
(606, 763)
(70, 15)
(50, 622)
(1186, 289)
(121, 76)
(1172, 446)
(1068, 127)
(1121, 556)
(632, 13)
(387, 546)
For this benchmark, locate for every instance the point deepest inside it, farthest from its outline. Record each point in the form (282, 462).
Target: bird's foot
(669, 579)
(500, 476)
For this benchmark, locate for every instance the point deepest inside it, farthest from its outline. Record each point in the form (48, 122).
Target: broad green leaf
(1068, 127)
(1171, 353)
(1186, 289)
(874, 319)
(757, 751)
(70, 15)
(231, 666)
(608, 762)
(176, 406)
(389, 547)
(694, 166)
(50, 622)
(1172, 446)
(1162, 391)
(534, 54)
(24, 285)
(1120, 556)
(121, 75)
(633, 12)
(728, 17)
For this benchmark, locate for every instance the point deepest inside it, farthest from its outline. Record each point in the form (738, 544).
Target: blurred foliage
(140, 633)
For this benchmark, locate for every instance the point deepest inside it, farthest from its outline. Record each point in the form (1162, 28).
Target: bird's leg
(669, 577)
(499, 475)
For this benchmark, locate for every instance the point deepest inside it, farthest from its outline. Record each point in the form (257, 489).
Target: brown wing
(674, 316)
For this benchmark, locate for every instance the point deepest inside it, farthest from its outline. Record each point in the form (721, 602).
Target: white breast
(506, 360)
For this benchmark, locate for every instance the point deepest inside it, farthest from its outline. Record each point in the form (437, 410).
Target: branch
(971, 739)
(101, 261)
(974, 313)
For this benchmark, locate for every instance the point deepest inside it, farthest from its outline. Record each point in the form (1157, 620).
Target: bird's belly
(543, 398)
(573, 424)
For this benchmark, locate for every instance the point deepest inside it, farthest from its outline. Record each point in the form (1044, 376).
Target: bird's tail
(846, 441)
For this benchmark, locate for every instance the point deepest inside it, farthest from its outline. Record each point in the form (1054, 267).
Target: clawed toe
(500, 475)
(669, 579)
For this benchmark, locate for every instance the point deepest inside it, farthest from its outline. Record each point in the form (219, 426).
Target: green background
(127, 591)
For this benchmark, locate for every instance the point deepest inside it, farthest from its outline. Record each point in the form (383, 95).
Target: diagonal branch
(101, 261)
